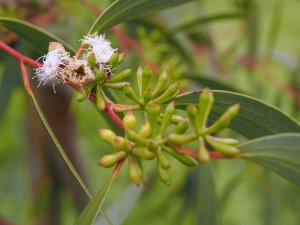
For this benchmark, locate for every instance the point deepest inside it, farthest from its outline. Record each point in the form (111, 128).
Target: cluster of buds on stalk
(163, 133)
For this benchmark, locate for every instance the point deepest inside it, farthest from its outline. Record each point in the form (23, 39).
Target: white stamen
(53, 65)
(100, 47)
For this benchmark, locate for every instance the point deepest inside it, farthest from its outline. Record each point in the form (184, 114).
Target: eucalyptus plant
(159, 121)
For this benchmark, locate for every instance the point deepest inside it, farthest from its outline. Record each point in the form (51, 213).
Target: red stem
(25, 78)
(79, 51)
(117, 169)
(193, 153)
(110, 111)
(20, 57)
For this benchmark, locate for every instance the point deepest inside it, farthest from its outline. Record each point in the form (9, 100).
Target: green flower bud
(181, 127)
(180, 139)
(152, 145)
(129, 121)
(55, 45)
(176, 119)
(164, 177)
(145, 130)
(226, 141)
(147, 74)
(203, 155)
(91, 59)
(100, 103)
(222, 148)
(206, 101)
(120, 144)
(128, 91)
(117, 86)
(100, 75)
(121, 57)
(111, 159)
(135, 172)
(107, 135)
(171, 90)
(153, 111)
(161, 83)
(80, 96)
(224, 120)
(147, 96)
(136, 138)
(193, 116)
(185, 159)
(121, 76)
(114, 59)
(143, 153)
(162, 160)
(139, 79)
(169, 111)
(172, 97)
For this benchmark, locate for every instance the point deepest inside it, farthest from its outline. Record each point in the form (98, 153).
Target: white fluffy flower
(53, 65)
(100, 47)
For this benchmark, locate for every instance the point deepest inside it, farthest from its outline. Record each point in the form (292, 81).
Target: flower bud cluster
(163, 132)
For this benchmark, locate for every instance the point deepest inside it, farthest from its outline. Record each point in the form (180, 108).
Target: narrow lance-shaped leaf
(124, 10)
(255, 118)
(280, 153)
(35, 36)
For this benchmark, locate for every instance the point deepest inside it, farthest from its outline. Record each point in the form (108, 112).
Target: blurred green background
(248, 46)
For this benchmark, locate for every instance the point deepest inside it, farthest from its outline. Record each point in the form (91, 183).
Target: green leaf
(280, 153)
(11, 78)
(35, 36)
(255, 118)
(124, 10)
(206, 197)
(206, 19)
(209, 81)
(119, 211)
(91, 211)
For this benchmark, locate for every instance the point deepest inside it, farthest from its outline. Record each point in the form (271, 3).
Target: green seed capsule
(147, 74)
(143, 153)
(136, 138)
(162, 160)
(222, 148)
(153, 111)
(80, 96)
(169, 111)
(193, 116)
(186, 160)
(120, 144)
(171, 90)
(100, 103)
(111, 159)
(129, 121)
(145, 130)
(135, 172)
(181, 127)
(164, 177)
(161, 83)
(121, 76)
(180, 139)
(176, 119)
(224, 120)
(203, 155)
(107, 135)
(128, 91)
(206, 101)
